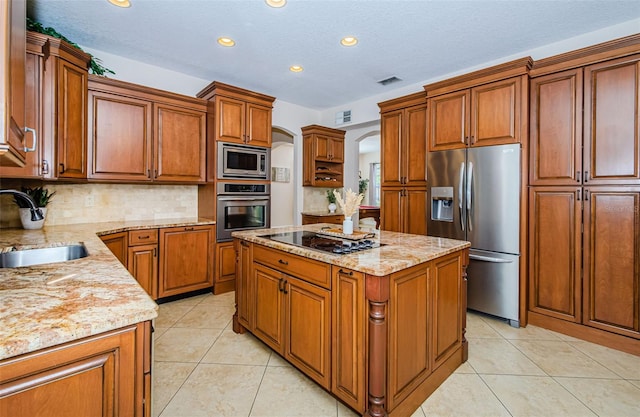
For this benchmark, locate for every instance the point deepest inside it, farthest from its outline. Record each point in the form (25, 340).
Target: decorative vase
(27, 223)
(347, 226)
(332, 207)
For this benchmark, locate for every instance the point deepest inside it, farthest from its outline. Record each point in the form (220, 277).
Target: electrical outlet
(89, 201)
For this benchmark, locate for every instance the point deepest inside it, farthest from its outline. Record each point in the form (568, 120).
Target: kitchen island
(75, 336)
(380, 328)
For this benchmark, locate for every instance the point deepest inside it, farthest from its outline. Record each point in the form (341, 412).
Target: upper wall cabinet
(323, 156)
(404, 141)
(486, 107)
(12, 83)
(141, 134)
(56, 106)
(592, 143)
(237, 115)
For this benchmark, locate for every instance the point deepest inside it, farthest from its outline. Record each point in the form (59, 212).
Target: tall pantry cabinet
(403, 193)
(584, 198)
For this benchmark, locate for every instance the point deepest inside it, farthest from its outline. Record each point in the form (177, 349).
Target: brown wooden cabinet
(142, 259)
(584, 233)
(186, 259)
(244, 316)
(238, 115)
(329, 218)
(12, 85)
(118, 244)
(609, 150)
(105, 374)
(403, 141)
(403, 209)
(482, 108)
(225, 268)
(159, 136)
(323, 156)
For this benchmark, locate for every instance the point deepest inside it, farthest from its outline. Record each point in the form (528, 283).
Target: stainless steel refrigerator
(474, 195)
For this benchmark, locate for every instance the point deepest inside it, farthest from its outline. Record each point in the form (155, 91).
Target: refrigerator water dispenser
(442, 204)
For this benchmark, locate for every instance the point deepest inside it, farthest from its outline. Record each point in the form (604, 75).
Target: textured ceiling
(412, 40)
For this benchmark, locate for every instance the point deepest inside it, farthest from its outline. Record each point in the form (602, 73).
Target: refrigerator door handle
(462, 218)
(469, 202)
(489, 259)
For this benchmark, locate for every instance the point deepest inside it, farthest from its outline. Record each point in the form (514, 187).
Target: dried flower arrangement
(351, 202)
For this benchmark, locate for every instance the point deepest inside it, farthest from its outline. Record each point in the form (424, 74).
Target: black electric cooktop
(322, 243)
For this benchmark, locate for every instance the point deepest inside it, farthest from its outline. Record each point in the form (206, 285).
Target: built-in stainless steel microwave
(243, 161)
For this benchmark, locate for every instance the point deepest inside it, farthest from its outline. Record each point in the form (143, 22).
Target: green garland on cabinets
(94, 65)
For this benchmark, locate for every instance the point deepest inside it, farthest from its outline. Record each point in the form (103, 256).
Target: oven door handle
(243, 198)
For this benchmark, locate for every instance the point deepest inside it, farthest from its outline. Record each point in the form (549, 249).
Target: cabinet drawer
(307, 269)
(143, 237)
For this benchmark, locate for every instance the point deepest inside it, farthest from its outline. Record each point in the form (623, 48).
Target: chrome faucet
(36, 213)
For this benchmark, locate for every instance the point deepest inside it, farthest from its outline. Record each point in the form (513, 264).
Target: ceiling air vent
(389, 80)
(343, 117)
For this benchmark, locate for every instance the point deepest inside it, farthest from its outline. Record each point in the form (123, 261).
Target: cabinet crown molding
(218, 88)
(46, 46)
(323, 130)
(409, 100)
(616, 48)
(486, 75)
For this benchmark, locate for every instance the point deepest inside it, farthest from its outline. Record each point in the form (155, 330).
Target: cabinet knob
(283, 262)
(578, 176)
(188, 229)
(144, 237)
(585, 177)
(62, 168)
(343, 272)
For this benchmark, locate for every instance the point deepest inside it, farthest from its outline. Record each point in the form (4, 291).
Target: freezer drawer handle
(489, 259)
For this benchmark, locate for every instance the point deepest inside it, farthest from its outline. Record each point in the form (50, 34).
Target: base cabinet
(186, 259)
(104, 375)
(118, 245)
(225, 268)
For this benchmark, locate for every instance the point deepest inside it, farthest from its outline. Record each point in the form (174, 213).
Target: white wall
(364, 162)
(283, 196)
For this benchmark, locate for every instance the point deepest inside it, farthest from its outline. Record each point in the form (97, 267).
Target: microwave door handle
(460, 186)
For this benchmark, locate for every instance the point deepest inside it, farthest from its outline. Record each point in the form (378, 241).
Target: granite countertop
(49, 304)
(400, 250)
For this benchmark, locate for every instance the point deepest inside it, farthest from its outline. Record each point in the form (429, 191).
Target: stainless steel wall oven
(241, 206)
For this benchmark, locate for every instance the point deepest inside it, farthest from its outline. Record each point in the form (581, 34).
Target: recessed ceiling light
(120, 3)
(296, 68)
(349, 41)
(224, 41)
(276, 3)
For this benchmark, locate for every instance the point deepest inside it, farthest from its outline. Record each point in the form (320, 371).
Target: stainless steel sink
(30, 257)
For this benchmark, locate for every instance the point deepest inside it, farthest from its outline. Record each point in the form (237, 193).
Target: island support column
(377, 293)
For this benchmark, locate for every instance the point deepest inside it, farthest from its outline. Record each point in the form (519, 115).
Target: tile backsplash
(87, 203)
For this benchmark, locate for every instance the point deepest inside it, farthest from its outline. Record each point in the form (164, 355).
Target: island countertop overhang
(399, 251)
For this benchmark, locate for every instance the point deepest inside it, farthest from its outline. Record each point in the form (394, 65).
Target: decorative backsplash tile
(87, 203)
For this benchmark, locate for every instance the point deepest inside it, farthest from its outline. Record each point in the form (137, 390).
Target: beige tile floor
(202, 368)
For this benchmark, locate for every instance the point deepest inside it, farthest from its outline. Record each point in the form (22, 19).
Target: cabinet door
(349, 318)
(269, 306)
(120, 137)
(98, 376)
(33, 160)
(180, 144)
(186, 259)
(447, 296)
(556, 129)
(391, 209)
(611, 124)
(555, 248)
(117, 244)
(230, 120)
(244, 288)
(258, 125)
(414, 146)
(329, 149)
(308, 329)
(612, 259)
(225, 262)
(142, 263)
(415, 211)
(391, 152)
(71, 130)
(12, 106)
(495, 113)
(449, 121)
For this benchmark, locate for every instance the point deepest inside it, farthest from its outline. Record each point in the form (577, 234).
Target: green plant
(39, 195)
(94, 64)
(362, 186)
(331, 197)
